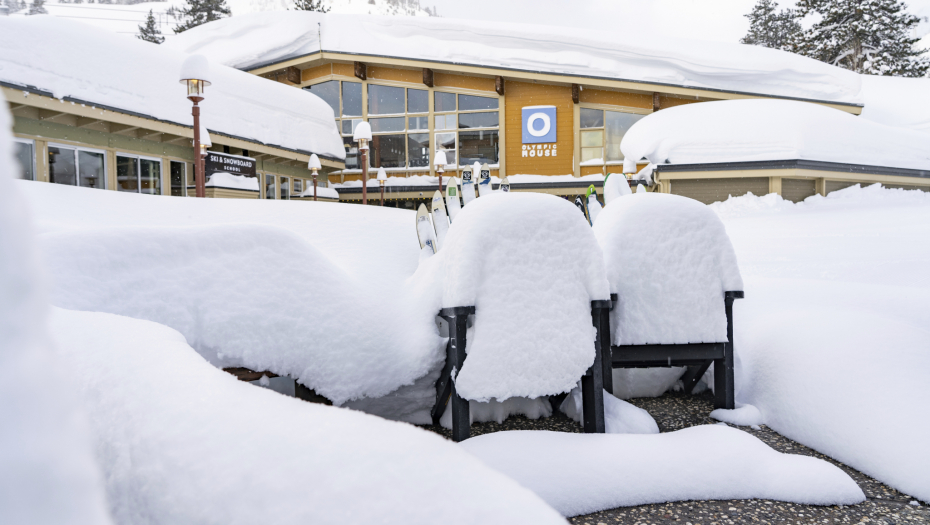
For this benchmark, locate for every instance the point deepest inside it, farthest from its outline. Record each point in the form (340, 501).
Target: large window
(284, 186)
(76, 166)
(178, 178)
(269, 186)
(24, 150)
(465, 129)
(138, 174)
(601, 134)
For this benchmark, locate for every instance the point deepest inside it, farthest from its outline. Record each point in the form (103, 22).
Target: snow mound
(645, 382)
(531, 266)
(882, 96)
(182, 442)
(620, 417)
(271, 37)
(211, 283)
(231, 181)
(498, 411)
(71, 59)
(743, 415)
(584, 473)
(757, 130)
(47, 470)
(670, 261)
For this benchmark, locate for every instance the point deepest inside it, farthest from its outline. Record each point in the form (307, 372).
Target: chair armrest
(734, 294)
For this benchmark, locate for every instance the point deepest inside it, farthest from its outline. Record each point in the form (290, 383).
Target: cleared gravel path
(674, 411)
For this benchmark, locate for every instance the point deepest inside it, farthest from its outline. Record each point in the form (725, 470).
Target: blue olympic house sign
(539, 124)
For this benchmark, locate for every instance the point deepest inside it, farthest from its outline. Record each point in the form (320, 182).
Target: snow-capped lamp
(382, 178)
(314, 166)
(195, 72)
(629, 167)
(362, 136)
(440, 162)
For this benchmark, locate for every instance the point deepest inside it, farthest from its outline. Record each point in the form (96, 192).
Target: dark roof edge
(793, 164)
(514, 185)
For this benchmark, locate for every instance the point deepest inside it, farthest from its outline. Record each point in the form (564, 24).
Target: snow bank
(47, 471)
(498, 411)
(670, 261)
(183, 442)
(742, 415)
(897, 101)
(321, 192)
(584, 473)
(831, 344)
(264, 38)
(71, 59)
(620, 417)
(426, 180)
(531, 266)
(757, 130)
(231, 181)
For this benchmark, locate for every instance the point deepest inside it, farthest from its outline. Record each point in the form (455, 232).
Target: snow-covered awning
(767, 130)
(262, 39)
(81, 63)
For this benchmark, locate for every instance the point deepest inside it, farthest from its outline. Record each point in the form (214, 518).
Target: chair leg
(724, 383)
(443, 387)
(607, 358)
(461, 420)
(693, 375)
(592, 383)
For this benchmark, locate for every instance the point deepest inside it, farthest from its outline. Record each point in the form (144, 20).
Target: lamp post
(314, 166)
(195, 73)
(440, 163)
(363, 136)
(205, 143)
(382, 177)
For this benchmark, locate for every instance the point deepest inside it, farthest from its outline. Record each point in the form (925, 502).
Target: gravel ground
(674, 411)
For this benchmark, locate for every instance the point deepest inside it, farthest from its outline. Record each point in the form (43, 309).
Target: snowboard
(440, 219)
(468, 186)
(452, 198)
(425, 229)
(505, 185)
(594, 206)
(484, 180)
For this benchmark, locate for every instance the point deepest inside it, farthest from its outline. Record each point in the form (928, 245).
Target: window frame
(77, 162)
(138, 157)
(642, 112)
(35, 165)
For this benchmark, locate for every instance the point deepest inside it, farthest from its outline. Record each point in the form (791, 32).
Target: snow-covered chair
(674, 272)
(522, 274)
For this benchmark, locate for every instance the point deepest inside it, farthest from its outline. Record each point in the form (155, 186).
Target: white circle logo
(547, 124)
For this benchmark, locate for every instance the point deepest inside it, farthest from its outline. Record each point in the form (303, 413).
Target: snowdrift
(248, 42)
(757, 130)
(71, 59)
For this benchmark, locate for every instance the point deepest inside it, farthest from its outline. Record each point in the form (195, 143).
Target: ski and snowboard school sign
(539, 131)
(224, 162)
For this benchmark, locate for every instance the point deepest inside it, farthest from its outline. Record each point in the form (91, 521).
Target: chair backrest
(669, 260)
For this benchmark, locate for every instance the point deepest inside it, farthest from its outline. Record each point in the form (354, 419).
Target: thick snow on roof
(757, 130)
(70, 59)
(264, 38)
(897, 101)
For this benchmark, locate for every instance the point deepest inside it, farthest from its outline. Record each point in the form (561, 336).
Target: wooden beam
(149, 135)
(122, 129)
(361, 70)
(428, 77)
(655, 102)
(83, 122)
(576, 93)
(14, 106)
(50, 114)
(290, 74)
(499, 85)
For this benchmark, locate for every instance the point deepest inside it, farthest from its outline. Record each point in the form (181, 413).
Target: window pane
(61, 168)
(150, 176)
(127, 174)
(617, 125)
(388, 151)
(90, 170)
(269, 186)
(298, 186)
(283, 186)
(592, 118)
(25, 158)
(470, 102)
(592, 139)
(418, 123)
(591, 154)
(329, 92)
(387, 124)
(478, 146)
(446, 141)
(444, 102)
(352, 99)
(385, 100)
(417, 101)
(178, 180)
(445, 122)
(351, 153)
(349, 125)
(478, 120)
(418, 150)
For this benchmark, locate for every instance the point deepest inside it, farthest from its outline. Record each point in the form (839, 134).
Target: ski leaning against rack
(579, 203)
(425, 232)
(440, 219)
(593, 205)
(468, 186)
(484, 180)
(452, 198)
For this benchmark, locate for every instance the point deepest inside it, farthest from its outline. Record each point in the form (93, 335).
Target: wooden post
(361, 70)
(499, 85)
(576, 93)
(428, 77)
(655, 102)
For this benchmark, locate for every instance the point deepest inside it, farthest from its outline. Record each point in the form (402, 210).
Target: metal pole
(439, 172)
(364, 154)
(314, 185)
(198, 159)
(382, 192)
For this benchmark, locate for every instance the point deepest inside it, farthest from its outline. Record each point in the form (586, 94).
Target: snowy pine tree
(310, 5)
(150, 32)
(37, 8)
(198, 12)
(865, 36)
(769, 28)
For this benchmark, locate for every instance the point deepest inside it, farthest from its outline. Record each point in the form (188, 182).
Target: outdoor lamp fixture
(382, 177)
(629, 167)
(314, 166)
(195, 73)
(440, 163)
(363, 136)
(205, 142)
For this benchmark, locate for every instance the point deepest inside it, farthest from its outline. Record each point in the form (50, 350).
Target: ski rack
(696, 356)
(592, 382)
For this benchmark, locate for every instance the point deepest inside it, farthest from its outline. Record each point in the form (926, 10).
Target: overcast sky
(720, 20)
